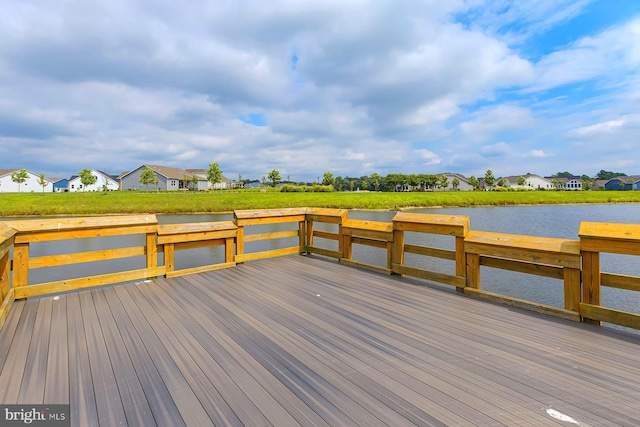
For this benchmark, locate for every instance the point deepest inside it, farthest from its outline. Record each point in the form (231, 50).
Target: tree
(443, 182)
(376, 180)
(556, 183)
(586, 182)
(87, 178)
(607, 175)
(194, 181)
(473, 181)
(455, 183)
(564, 174)
(502, 182)
(431, 181)
(489, 179)
(185, 181)
(148, 176)
(42, 181)
(19, 177)
(522, 181)
(274, 177)
(214, 174)
(328, 179)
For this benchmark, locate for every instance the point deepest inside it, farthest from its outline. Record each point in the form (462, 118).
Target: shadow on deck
(301, 340)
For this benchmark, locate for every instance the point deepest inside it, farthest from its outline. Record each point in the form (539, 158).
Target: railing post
(152, 251)
(169, 257)
(571, 289)
(309, 233)
(397, 248)
(302, 235)
(20, 264)
(460, 257)
(228, 250)
(240, 241)
(591, 281)
(473, 270)
(347, 246)
(4, 276)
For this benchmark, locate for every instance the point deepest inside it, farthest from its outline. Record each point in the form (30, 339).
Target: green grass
(128, 202)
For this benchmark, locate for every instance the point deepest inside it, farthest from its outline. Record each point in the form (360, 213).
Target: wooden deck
(306, 341)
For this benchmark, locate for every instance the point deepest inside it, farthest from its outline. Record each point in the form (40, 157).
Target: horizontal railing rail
(576, 263)
(34, 231)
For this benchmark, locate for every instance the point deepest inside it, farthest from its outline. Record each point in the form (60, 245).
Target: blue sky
(306, 87)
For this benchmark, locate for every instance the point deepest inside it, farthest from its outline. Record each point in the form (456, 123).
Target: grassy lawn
(125, 202)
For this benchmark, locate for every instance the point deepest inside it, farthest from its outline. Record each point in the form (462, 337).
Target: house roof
(167, 172)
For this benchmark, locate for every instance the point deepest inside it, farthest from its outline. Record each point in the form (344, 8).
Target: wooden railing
(574, 262)
(609, 238)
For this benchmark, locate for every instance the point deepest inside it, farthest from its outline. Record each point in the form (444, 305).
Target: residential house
(30, 185)
(169, 179)
(224, 184)
(464, 182)
(60, 185)
(103, 180)
(623, 183)
(532, 182)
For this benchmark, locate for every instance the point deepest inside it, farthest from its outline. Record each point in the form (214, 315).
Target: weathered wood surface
(306, 341)
(452, 225)
(544, 250)
(607, 237)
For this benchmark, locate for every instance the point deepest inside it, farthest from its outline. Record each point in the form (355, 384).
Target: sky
(349, 87)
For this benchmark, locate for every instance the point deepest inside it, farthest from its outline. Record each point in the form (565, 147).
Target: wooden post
(302, 236)
(347, 247)
(309, 233)
(240, 241)
(572, 289)
(473, 271)
(228, 250)
(389, 254)
(4, 276)
(460, 257)
(20, 265)
(152, 251)
(591, 281)
(169, 257)
(397, 248)
(340, 241)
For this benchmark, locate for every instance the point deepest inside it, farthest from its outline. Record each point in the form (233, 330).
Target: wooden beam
(82, 257)
(86, 282)
(457, 281)
(609, 315)
(452, 225)
(267, 254)
(527, 305)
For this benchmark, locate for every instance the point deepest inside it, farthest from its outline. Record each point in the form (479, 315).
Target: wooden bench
(543, 256)
(175, 237)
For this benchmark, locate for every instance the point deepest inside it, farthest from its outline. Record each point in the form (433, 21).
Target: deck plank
(308, 341)
(32, 389)
(56, 389)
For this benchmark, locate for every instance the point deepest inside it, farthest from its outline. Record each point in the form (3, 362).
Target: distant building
(224, 184)
(59, 184)
(102, 180)
(622, 183)
(169, 179)
(30, 185)
(532, 182)
(567, 183)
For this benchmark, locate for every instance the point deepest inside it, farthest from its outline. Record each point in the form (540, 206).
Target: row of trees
(20, 177)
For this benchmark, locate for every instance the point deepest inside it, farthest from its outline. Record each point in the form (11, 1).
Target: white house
(30, 185)
(102, 180)
(224, 184)
(532, 182)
